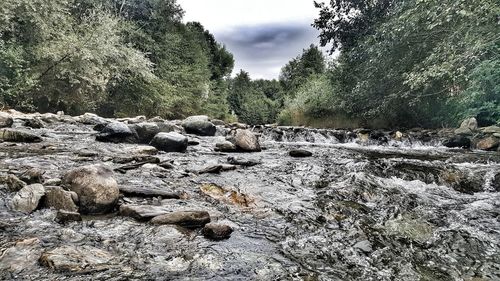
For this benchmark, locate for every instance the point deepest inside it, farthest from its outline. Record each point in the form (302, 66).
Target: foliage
(117, 57)
(420, 62)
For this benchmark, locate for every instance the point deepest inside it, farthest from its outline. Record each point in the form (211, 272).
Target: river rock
(247, 141)
(489, 143)
(242, 162)
(217, 231)
(469, 123)
(14, 183)
(170, 142)
(58, 198)
(76, 259)
(218, 122)
(34, 123)
(96, 188)
(491, 130)
(145, 131)
(495, 184)
(300, 153)
(23, 256)
(199, 125)
(18, 136)
(188, 219)
(5, 120)
(28, 198)
(460, 141)
(117, 132)
(142, 212)
(464, 131)
(33, 175)
(225, 146)
(67, 216)
(91, 119)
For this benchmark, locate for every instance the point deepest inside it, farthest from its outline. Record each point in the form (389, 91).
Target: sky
(263, 35)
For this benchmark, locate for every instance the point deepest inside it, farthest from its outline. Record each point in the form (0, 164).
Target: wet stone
(188, 219)
(96, 188)
(83, 259)
(170, 142)
(33, 175)
(12, 135)
(117, 132)
(34, 123)
(67, 216)
(28, 198)
(23, 256)
(143, 212)
(5, 120)
(58, 198)
(247, 141)
(217, 231)
(14, 183)
(300, 153)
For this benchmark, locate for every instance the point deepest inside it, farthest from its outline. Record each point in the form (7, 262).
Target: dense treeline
(116, 57)
(405, 63)
(408, 63)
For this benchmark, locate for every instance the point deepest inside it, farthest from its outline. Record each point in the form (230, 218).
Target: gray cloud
(263, 49)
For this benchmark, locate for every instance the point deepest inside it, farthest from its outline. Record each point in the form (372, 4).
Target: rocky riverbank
(88, 197)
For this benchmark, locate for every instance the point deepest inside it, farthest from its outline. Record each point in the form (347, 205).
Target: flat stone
(300, 153)
(12, 135)
(148, 192)
(188, 219)
(67, 216)
(491, 130)
(76, 259)
(23, 256)
(33, 175)
(143, 212)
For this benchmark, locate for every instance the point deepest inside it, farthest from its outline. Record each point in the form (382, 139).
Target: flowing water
(355, 210)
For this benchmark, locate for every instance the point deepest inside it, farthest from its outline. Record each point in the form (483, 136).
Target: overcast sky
(263, 35)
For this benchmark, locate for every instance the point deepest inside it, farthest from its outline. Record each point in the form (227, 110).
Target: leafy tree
(299, 69)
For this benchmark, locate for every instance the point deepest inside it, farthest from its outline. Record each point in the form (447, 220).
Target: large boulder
(146, 131)
(5, 120)
(188, 219)
(12, 135)
(170, 142)
(117, 132)
(96, 188)
(489, 143)
(245, 140)
(58, 198)
(28, 198)
(469, 123)
(199, 125)
(460, 141)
